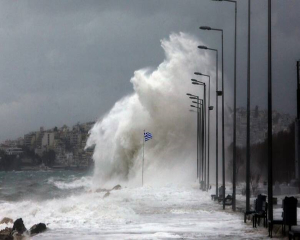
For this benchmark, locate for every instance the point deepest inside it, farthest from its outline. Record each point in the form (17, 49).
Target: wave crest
(158, 105)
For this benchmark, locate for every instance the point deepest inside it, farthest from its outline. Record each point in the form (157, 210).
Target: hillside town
(56, 148)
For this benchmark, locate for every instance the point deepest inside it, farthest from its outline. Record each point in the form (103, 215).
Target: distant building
(29, 139)
(69, 159)
(14, 151)
(75, 138)
(48, 140)
(67, 143)
(20, 141)
(3, 146)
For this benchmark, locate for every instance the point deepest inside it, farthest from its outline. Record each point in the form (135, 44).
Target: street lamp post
(297, 124)
(199, 104)
(270, 147)
(200, 127)
(248, 116)
(217, 107)
(223, 118)
(188, 94)
(204, 145)
(208, 136)
(234, 111)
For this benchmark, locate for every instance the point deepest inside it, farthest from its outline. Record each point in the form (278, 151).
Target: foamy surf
(150, 212)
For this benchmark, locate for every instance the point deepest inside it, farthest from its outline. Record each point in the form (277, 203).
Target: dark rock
(5, 234)
(117, 187)
(19, 226)
(6, 220)
(38, 228)
(106, 194)
(19, 230)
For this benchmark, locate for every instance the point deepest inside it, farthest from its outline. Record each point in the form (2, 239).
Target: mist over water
(159, 105)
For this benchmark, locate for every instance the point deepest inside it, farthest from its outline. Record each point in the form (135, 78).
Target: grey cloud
(69, 61)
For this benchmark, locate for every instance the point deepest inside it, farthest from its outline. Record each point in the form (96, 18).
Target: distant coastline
(57, 148)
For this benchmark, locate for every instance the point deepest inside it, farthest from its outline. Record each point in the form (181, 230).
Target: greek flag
(147, 136)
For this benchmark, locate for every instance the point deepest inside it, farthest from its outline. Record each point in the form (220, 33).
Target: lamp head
(202, 47)
(197, 73)
(205, 28)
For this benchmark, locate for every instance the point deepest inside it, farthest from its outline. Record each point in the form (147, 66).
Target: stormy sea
(72, 208)
(111, 202)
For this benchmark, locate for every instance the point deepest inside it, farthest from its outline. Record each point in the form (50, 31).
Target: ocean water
(68, 203)
(41, 185)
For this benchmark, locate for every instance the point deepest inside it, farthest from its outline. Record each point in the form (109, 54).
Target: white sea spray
(159, 105)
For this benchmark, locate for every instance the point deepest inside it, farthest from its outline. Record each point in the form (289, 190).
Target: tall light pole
(248, 114)
(196, 82)
(200, 126)
(221, 93)
(196, 97)
(217, 109)
(270, 147)
(297, 125)
(234, 111)
(298, 89)
(202, 139)
(208, 137)
(200, 107)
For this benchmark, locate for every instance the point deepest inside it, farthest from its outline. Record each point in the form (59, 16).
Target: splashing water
(65, 202)
(159, 105)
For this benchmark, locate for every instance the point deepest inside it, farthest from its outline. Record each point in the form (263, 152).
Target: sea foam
(159, 105)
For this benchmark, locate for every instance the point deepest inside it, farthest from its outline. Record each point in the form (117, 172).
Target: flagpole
(143, 159)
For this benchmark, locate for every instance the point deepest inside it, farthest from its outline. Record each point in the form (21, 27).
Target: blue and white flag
(147, 136)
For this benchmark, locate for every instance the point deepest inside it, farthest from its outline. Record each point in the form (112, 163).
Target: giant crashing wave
(159, 105)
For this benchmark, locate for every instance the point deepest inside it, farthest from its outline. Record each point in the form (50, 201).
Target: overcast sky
(69, 61)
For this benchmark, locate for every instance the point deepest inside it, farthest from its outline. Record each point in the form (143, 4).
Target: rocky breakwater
(19, 231)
